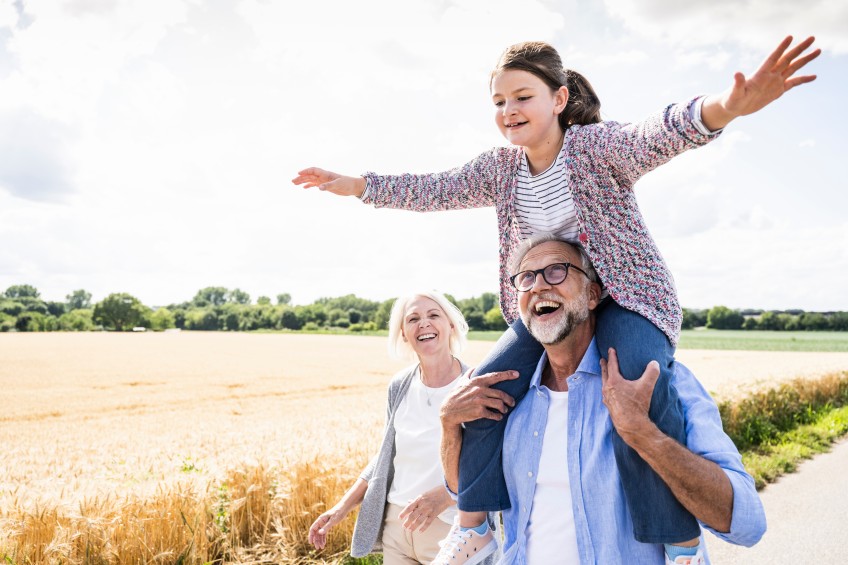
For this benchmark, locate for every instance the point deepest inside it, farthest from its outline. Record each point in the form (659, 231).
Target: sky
(148, 146)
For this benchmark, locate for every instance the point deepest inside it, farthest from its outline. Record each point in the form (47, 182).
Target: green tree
(237, 296)
(77, 320)
(211, 296)
(162, 319)
(55, 308)
(284, 299)
(30, 322)
(750, 324)
(723, 318)
(78, 300)
(813, 321)
(263, 300)
(22, 291)
(383, 313)
(494, 319)
(770, 321)
(694, 318)
(290, 320)
(120, 311)
(201, 319)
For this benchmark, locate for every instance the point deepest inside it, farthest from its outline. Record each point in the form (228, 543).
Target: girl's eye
(499, 103)
(524, 98)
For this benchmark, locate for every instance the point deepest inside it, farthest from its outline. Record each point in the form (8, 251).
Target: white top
(551, 534)
(418, 435)
(544, 203)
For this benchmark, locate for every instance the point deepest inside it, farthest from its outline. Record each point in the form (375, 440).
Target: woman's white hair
(400, 348)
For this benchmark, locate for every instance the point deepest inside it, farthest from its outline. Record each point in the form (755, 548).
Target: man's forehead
(549, 252)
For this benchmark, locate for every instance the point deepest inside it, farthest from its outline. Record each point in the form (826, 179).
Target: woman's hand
(322, 525)
(748, 95)
(421, 512)
(330, 181)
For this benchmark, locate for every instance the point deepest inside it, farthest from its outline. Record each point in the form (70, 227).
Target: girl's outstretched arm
(774, 77)
(330, 181)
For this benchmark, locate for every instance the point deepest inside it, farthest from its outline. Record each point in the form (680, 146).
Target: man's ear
(594, 295)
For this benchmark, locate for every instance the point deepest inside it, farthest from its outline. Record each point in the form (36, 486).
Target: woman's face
(526, 110)
(426, 328)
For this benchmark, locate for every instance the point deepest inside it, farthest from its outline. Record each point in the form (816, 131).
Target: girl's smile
(527, 114)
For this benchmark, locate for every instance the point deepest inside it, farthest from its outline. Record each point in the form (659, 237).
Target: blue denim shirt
(602, 521)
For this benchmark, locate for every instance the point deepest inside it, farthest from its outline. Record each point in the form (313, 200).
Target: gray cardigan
(379, 473)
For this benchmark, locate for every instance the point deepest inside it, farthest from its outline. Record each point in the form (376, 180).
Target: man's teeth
(545, 306)
(424, 337)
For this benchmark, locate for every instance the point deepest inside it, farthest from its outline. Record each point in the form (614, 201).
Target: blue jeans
(657, 515)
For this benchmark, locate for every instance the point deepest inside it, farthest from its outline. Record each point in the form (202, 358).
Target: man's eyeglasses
(553, 274)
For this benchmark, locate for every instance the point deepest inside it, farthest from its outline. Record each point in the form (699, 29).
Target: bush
(76, 321)
(723, 318)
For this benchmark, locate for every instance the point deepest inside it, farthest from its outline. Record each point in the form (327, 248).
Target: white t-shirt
(551, 534)
(418, 435)
(544, 203)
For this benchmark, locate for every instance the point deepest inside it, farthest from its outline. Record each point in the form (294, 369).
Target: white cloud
(756, 24)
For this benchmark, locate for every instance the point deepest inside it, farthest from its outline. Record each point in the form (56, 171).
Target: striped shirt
(544, 203)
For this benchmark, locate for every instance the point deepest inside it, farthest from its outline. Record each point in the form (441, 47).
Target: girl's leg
(481, 479)
(657, 515)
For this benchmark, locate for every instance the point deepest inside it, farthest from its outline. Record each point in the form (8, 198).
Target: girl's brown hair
(542, 60)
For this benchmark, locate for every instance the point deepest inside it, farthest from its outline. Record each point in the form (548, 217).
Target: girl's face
(426, 328)
(526, 110)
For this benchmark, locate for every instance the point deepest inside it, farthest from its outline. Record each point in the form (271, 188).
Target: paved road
(807, 515)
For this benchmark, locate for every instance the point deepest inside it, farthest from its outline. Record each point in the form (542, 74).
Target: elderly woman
(405, 507)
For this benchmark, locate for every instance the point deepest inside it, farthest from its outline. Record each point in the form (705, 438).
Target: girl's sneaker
(465, 547)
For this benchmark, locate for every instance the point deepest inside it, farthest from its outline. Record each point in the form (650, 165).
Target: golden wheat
(195, 447)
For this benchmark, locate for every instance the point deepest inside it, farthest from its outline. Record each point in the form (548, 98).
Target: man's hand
(628, 402)
(475, 399)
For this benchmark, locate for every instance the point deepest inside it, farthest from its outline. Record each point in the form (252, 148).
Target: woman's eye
(499, 103)
(524, 98)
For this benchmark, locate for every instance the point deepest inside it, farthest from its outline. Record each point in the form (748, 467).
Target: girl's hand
(331, 182)
(322, 525)
(774, 77)
(421, 512)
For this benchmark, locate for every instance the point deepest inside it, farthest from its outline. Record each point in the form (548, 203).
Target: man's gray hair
(525, 246)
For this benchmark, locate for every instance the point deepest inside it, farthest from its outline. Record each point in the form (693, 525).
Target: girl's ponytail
(543, 61)
(583, 105)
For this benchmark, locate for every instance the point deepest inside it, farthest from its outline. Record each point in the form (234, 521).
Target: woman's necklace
(426, 388)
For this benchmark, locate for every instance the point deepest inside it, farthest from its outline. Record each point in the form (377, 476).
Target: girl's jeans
(657, 515)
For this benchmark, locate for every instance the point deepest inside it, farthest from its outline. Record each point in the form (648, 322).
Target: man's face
(551, 312)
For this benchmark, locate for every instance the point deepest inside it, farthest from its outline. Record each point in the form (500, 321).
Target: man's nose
(539, 282)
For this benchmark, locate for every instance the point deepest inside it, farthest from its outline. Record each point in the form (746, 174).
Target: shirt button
(535, 434)
(529, 473)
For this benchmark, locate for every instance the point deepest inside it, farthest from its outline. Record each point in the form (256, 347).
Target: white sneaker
(465, 547)
(697, 559)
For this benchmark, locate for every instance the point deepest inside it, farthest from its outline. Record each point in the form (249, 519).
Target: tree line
(221, 309)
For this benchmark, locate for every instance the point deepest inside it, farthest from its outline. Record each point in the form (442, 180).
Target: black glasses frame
(537, 272)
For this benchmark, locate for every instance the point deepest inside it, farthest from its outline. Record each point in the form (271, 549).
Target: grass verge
(777, 428)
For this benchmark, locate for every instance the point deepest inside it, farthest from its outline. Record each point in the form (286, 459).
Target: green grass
(783, 454)
(756, 340)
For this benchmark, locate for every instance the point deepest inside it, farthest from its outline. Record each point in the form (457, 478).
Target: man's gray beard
(572, 314)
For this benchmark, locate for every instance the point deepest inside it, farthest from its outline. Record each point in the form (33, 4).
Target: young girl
(569, 173)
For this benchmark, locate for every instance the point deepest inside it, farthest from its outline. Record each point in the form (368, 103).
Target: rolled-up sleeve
(705, 437)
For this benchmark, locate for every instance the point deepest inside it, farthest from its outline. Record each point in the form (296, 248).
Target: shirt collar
(590, 364)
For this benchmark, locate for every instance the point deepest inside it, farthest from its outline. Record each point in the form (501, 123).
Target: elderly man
(567, 502)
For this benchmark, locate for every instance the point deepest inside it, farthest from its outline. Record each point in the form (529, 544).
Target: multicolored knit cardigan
(602, 163)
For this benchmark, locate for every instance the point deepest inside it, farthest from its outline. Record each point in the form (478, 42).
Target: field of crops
(108, 439)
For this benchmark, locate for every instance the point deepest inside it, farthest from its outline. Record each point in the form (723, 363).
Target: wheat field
(197, 447)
